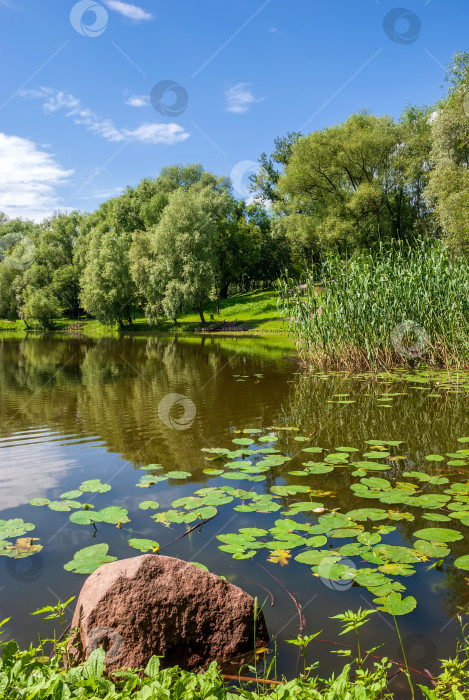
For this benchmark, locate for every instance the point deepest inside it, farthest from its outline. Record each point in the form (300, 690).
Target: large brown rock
(156, 605)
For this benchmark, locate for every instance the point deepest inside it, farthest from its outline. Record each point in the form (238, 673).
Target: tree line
(182, 238)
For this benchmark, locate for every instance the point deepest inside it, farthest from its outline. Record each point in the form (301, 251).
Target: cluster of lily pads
(22, 547)
(151, 478)
(432, 383)
(337, 546)
(365, 527)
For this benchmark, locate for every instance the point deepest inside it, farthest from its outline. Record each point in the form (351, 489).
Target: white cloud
(148, 132)
(128, 10)
(138, 101)
(239, 98)
(29, 178)
(155, 132)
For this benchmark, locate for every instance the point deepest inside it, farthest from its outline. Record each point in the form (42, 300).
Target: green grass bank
(256, 311)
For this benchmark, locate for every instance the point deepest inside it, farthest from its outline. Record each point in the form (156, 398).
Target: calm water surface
(73, 409)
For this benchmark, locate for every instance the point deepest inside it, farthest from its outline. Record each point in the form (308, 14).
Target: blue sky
(77, 124)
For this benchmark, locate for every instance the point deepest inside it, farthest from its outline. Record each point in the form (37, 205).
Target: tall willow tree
(183, 250)
(107, 289)
(448, 190)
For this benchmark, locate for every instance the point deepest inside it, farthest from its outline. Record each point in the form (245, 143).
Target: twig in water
(195, 527)
(272, 599)
(246, 679)
(297, 605)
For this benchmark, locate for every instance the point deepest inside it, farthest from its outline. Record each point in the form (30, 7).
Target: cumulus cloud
(133, 12)
(138, 101)
(29, 178)
(239, 98)
(148, 132)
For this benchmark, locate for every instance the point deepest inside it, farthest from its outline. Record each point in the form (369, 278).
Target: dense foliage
(358, 316)
(33, 674)
(166, 246)
(178, 240)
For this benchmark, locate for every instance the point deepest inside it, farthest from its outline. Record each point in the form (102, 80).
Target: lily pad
(462, 562)
(94, 486)
(144, 545)
(438, 534)
(87, 560)
(149, 505)
(395, 604)
(72, 494)
(113, 515)
(14, 528)
(433, 550)
(39, 502)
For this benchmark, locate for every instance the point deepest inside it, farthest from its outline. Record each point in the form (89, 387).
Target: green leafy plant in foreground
(33, 674)
(352, 622)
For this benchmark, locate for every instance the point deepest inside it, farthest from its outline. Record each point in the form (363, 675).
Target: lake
(75, 409)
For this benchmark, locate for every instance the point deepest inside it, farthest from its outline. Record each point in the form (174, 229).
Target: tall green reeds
(398, 305)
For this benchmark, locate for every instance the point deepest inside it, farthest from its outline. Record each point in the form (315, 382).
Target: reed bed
(397, 306)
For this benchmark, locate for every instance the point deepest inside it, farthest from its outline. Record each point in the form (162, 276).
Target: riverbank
(34, 673)
(256, 311)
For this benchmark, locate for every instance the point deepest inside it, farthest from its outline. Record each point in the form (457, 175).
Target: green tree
(226, 252)
(448, 189)
(355, 183)
(266, 249)
(183, 275)
(8, 301)
(265, 181)
(107, 289)
(40, 305)
(53, 272)
(18, 247)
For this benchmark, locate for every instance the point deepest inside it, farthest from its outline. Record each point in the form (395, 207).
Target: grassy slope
(257, 311)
